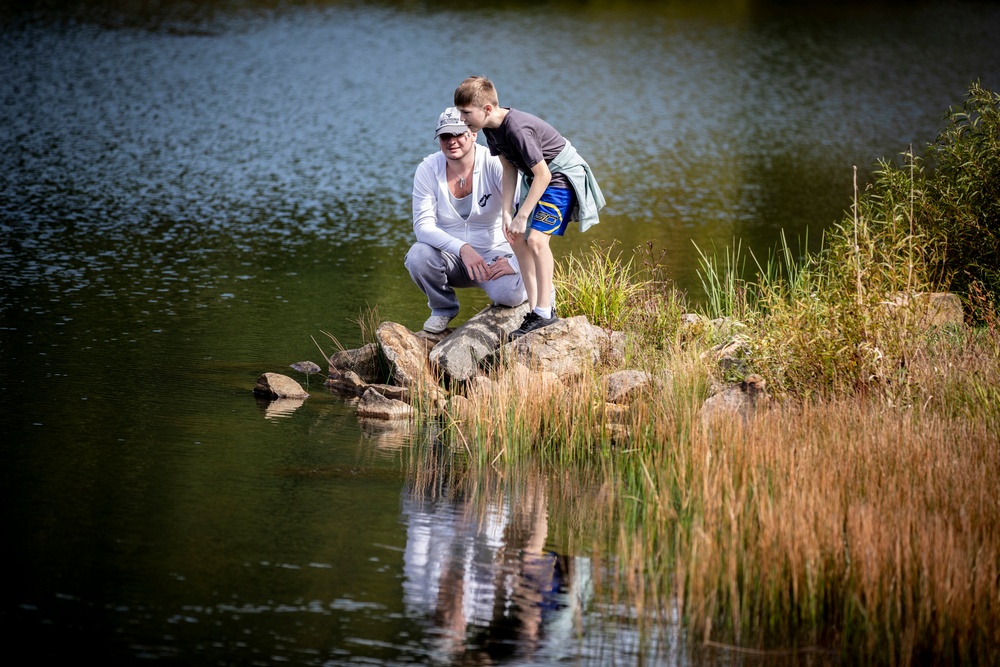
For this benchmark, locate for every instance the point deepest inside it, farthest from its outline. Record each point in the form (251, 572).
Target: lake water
(195, 194)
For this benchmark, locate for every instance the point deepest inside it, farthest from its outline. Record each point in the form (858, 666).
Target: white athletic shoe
(436, 323)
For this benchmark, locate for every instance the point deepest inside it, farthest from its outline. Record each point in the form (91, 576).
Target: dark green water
(190, 194)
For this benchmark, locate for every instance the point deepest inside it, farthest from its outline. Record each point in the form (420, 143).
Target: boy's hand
(519, 223)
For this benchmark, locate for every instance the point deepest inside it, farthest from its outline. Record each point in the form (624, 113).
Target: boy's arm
(541, 177)
(508, 186)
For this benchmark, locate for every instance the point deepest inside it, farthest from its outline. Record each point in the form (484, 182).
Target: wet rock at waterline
(406, 354)
(275, 385)
(374, 405)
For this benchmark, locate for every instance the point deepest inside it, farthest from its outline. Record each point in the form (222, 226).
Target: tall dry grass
(859, 526)
(844, 525)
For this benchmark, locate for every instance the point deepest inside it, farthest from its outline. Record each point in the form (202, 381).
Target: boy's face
(475, 117)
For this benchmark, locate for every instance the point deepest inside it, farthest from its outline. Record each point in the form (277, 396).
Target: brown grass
(858, 527)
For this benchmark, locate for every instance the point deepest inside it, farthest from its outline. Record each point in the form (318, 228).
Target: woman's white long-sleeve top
(437, 223)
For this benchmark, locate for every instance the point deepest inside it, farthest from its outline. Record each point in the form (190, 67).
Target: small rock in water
(275, 385)
(307, 367)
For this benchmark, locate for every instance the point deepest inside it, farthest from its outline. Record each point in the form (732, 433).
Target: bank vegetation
(856, 519)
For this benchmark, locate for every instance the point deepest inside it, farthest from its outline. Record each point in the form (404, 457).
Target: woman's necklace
(462, 180)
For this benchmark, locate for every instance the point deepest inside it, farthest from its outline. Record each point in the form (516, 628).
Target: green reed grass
(599, 285)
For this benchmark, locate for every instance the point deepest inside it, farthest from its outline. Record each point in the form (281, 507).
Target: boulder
(406, 354)
(739, 400)
(346, 382)
(623, 386)
(275, 385)
(374, 405)
(458, 356)
(363, 361)
(567, 348)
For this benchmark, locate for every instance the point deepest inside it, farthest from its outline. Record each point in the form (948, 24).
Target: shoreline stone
(276, 385)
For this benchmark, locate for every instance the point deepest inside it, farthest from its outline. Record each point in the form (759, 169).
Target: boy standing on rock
(558, 185)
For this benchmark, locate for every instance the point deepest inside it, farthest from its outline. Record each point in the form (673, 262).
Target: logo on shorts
(545, 217)
(485, 198)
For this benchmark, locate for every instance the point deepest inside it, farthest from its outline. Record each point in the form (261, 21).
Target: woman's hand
(500, 267)
(475, 265)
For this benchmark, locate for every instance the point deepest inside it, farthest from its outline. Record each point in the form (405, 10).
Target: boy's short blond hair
(476, 91)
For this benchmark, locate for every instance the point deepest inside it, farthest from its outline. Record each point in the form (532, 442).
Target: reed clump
(859, 517)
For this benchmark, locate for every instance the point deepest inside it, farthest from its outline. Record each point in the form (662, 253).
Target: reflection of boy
(558, 187)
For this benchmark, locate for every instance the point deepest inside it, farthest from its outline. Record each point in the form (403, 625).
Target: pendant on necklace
(461, 182)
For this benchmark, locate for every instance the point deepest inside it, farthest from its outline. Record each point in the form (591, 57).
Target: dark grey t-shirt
(525, 140)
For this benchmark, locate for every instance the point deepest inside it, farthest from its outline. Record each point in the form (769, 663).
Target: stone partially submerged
(276, 385)
(374, 405)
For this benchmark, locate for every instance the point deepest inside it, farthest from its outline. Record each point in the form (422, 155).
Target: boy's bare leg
(543, 267)
(526, 260)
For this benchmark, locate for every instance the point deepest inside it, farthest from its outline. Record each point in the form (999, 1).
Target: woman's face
(456, 146)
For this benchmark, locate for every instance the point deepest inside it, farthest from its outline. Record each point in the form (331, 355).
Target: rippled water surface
(194, 194)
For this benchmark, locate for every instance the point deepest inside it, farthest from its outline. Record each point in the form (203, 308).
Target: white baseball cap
(450, 121)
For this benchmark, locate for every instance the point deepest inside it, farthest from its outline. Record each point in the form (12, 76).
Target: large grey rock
(459, 356)
(276, 385)
(567, 348)
(736, 401)
(406, 354)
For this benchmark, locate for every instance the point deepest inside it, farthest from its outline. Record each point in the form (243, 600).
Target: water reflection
(484, 576)
(281, 407)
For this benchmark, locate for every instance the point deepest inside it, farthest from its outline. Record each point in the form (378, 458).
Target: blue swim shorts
(551, 215)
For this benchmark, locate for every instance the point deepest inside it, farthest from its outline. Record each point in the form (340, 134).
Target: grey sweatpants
(438, 273)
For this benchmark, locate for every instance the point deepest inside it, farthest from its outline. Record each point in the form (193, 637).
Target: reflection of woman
(450, 565)
(486, 580)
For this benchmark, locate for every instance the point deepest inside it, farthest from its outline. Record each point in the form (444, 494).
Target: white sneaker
(436, 323)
